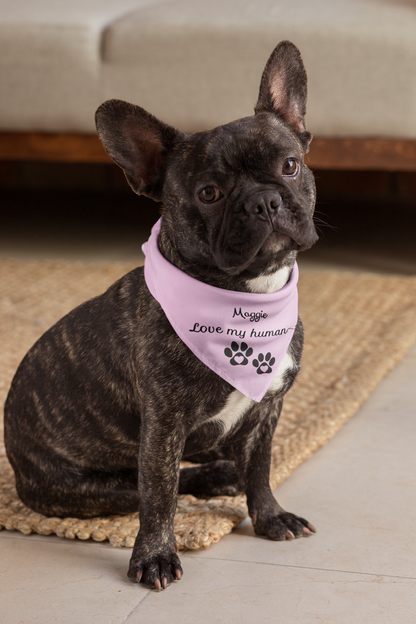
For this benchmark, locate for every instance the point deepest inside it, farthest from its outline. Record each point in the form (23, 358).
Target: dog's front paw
(155, 570)
(282, 526)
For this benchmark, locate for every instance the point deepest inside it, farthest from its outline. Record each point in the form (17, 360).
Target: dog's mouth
(273, 249)
(299, 228)
(275, 246)
(258, 234)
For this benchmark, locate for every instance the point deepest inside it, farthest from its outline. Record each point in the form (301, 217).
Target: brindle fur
(106, 404)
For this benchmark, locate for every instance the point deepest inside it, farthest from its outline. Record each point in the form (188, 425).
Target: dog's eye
(209, 195)
(290, 167)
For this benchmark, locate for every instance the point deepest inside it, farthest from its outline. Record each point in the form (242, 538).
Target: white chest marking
(269, 283)
(238, 404)
(286, 365)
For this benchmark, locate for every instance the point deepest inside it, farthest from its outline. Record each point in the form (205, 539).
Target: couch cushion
(50, 58)
(197, 63)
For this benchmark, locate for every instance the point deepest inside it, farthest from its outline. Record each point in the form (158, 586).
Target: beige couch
(197, 63)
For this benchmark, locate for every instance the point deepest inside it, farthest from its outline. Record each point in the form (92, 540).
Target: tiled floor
(358, 491)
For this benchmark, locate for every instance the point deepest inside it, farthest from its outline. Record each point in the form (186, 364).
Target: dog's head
(237, 200)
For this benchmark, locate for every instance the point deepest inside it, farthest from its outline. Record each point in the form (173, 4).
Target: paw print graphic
(238, 354)
(264, 364)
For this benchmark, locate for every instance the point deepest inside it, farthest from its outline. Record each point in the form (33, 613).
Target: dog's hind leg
(221, 452)
(94, 493)
(216, 478)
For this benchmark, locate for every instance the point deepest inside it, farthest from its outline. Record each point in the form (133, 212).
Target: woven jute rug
(357, 327)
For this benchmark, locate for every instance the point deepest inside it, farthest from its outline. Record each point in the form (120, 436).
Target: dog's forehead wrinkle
(263, 131)
(252, 146)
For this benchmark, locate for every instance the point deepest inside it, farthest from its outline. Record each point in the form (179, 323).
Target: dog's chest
(238, 405)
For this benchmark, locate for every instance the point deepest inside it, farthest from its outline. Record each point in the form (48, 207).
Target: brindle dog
(107, 403)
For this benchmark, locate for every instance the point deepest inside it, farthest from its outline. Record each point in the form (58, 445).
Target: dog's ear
(137, 142)
(284, 88)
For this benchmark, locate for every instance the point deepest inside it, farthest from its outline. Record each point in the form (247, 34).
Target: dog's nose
(264, 206)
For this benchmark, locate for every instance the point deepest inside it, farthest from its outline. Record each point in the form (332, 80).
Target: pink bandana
(242, 337)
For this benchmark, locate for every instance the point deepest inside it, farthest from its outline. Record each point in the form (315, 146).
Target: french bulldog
(109, 401)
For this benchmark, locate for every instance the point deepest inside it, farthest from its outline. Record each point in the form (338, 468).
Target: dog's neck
(268, 283)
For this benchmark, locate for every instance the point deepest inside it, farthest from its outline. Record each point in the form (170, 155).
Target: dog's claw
(156, 572)
(283, 526)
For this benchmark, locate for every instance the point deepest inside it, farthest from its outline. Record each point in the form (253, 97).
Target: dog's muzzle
(292, 220)
(252, 220)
